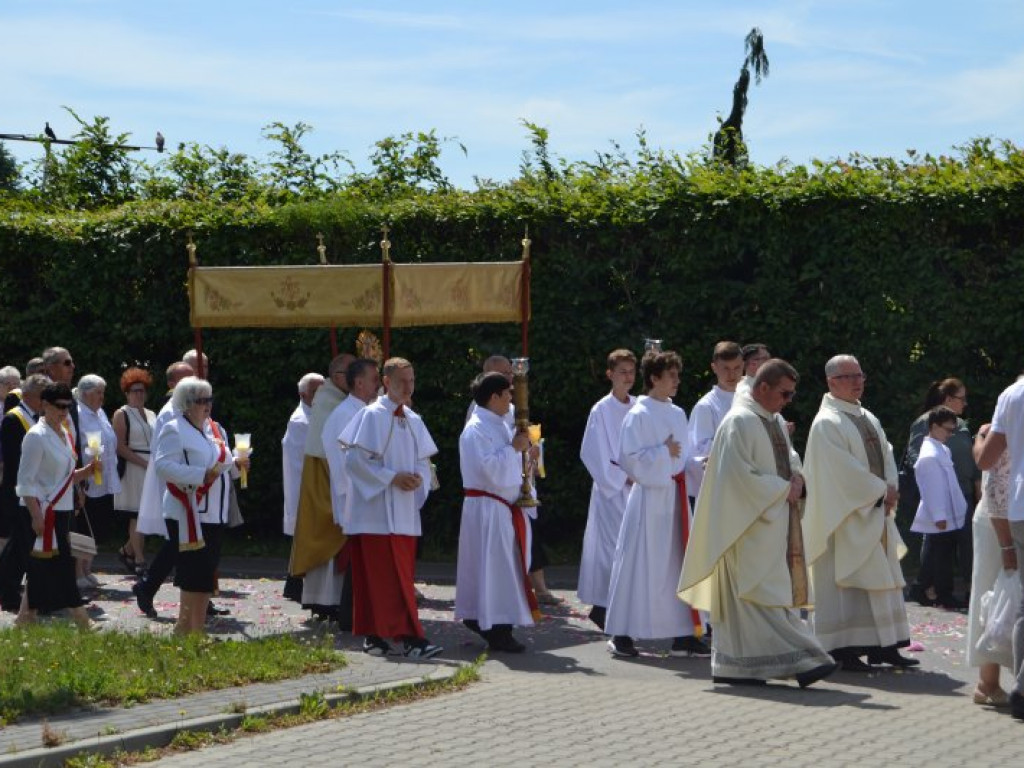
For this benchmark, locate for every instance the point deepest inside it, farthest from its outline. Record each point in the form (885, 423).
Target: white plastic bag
(998, 613)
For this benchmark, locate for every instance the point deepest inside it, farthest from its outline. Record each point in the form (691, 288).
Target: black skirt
(194, 568)
(51, 584)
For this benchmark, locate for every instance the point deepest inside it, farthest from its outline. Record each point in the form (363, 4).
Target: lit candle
(538, 440)
(94, 442)
(243, 448)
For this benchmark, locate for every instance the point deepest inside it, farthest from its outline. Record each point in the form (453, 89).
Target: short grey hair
(188, 390)
(832, 366)
(35, 384)
(50, 354)
(10, 375)
(306, 381)
(88, 383)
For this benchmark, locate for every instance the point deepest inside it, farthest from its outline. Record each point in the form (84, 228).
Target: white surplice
(642, 600)
(608, 496)
(334, 427)
(735, 566)
(705, 417)
(489, 584)
(151, 518)
(384, 445)
(293, 450)
(853, 547)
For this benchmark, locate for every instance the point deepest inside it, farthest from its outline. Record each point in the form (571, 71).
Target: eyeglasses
(787, 394)
(63, 406)
(961, 398)
(137, 391)
(951, 428)
(203, 400)
(853, 376)
(69, 363)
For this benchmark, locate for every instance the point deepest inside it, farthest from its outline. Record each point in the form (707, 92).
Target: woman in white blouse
(942, 510)
(99, 497)
(133, 423)
(46, 479)
(188, 459)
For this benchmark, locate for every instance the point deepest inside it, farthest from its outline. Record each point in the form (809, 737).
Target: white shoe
(92, 579)
(83, 584)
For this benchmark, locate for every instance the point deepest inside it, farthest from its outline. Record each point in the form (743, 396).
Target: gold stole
(795, 560)
(876, 462)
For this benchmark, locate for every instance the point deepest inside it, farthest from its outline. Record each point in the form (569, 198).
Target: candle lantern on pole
(521, 399)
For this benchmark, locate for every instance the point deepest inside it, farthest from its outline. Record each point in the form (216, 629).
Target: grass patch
(51, 668)
(313, 707)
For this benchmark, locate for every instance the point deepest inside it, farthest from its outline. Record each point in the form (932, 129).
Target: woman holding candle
(98, 439)
(133, 424)
(190, 457)
(46, 479)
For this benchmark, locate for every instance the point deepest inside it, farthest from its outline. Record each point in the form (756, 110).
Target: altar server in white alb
(707, 414)
(493, 592)
(853, 547)
(744, 563)
(642, 600)
(388, 463)
(293, 448)
(942, 510)
(608, 494)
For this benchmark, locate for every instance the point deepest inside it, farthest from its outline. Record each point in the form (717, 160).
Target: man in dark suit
(14, 558)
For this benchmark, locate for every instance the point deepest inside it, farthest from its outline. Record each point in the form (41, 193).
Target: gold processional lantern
(652, 345)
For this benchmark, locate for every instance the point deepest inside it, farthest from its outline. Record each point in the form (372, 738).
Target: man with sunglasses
(853, 547)
(744, 562)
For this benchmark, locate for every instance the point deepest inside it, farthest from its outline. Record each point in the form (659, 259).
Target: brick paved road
(566, 702)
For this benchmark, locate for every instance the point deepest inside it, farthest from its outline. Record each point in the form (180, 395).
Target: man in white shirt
(1007, 433)
(707, 414)
(388, 464)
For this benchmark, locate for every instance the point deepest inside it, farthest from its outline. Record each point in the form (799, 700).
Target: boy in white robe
(492, 589)
(853, 546)
(942, 511)
(610, 490)
(293, 448)
(744, 563)
(388, 464)
(707, 414)
(642, 599)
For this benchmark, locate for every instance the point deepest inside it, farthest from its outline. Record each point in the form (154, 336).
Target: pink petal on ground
(915, 647)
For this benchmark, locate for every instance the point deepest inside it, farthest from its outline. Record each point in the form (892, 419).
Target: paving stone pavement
(567, 702)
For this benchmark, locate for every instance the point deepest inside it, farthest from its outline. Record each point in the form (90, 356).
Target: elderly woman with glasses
(952, 394)
(99, 496)
(188, 459)
(46, 476)
(133, 424)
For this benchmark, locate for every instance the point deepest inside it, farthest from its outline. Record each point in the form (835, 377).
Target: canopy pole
(197, 333)
(385, 247)
(321, 250)
(524, 291)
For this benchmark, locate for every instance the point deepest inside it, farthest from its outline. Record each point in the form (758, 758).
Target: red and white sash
(46, 545)
(190, 535)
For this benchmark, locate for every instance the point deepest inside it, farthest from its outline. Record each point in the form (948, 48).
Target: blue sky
(871, 76)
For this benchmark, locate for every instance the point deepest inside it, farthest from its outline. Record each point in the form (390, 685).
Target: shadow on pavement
(784, 693)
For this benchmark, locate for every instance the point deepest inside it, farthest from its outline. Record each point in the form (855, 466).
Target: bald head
(337, 369)
(498, 364)
(176, 372)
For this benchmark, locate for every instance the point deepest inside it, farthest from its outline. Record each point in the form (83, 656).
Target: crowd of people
(708, 532)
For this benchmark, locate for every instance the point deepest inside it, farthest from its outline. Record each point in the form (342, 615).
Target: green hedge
(914, 267)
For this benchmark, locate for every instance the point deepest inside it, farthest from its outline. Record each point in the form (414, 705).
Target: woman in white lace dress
(133, 424)
(993, 553)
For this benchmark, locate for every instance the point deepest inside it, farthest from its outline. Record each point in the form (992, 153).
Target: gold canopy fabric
(454, 293)
(286, 297)
(351, 295)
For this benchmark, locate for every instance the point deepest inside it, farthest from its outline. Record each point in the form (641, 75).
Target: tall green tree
(729, 147)
(9, 176)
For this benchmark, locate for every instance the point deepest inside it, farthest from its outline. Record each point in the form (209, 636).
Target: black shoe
(892, 657)
(738, 681)
(474, 626)
(622, 645)
(597, 615)
(689, 646)
(144, 600)
(127, 560)
(853, 664)
(503, 640)
(1017, 705)
(213, 610)
(951, 603)
(420, 648)
(812, 676)
(375, 646)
